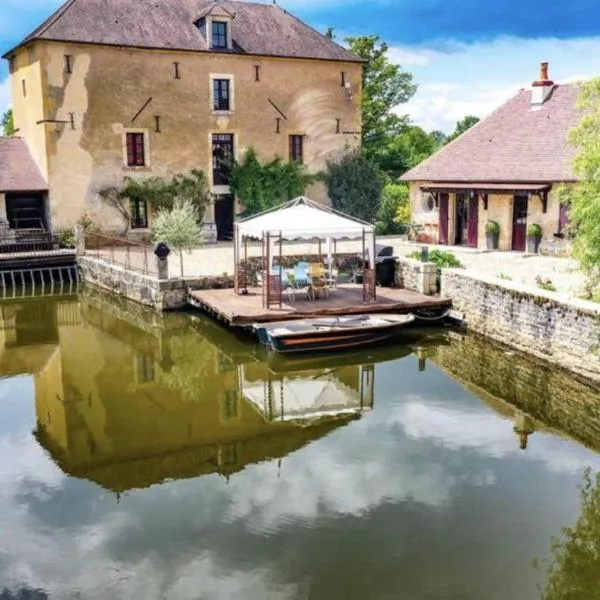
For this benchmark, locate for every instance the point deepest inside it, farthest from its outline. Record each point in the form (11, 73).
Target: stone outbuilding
(504, 169)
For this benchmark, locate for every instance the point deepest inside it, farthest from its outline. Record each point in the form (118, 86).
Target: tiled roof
(257, 28)
(18, 170)
(513, 144)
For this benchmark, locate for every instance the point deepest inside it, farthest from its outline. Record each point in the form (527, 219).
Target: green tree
(385, 86)
(461, 126)
(417, 145)
(438, 136)
(354, 184)
(178, 227)
(394, 211)
(8, 123)
(262, 186)
(574, 570)
(584, 197)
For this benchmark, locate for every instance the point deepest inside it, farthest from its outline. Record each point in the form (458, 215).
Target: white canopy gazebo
(299, 219)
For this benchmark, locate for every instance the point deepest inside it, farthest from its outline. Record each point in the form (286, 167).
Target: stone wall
(560, 329)
(158, 294)
(416, 276)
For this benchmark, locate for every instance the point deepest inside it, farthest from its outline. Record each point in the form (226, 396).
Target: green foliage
(354, 184)
(160, 193)
(545, 284)
(462, 126)
(394, 211)
(534, 231)
(260, 187)
(178, 226)
(584, 197)
(417, 145)
(66, 239)
(492, 228)
(505, 276)
(385, 86)
(442, 258)
(439, 137)
(574, 571)
(8, 123)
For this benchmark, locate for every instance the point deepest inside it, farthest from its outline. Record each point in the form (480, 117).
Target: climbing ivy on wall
(160, 193)
(262, 186)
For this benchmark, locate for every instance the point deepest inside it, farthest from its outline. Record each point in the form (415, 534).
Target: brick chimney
(542, 88)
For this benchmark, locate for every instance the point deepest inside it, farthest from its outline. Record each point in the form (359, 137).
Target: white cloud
(456, 79)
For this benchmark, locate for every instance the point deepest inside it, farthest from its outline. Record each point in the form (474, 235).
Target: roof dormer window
(219, 35)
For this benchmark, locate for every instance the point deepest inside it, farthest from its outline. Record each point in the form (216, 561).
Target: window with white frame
(222, 90)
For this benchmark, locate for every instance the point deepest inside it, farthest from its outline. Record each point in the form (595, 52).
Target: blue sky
(467, 56)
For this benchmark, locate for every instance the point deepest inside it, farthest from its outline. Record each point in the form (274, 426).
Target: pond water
(148, 458)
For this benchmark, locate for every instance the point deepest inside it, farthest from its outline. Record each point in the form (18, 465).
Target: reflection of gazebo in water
(308, 395)
(299, 219)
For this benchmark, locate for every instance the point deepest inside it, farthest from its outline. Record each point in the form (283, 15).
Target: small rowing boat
(330, 333)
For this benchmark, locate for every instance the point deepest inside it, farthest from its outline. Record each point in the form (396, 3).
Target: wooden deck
(343, 300)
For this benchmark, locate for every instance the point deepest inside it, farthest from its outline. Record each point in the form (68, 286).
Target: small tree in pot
(534, 237)
(492, 235)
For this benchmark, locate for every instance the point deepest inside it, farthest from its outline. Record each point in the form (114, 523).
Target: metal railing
(119, 250)
(36, 242)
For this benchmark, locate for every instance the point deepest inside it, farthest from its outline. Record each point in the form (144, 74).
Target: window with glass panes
(219, 34)
(221, 94)
(136, 152)
(297, 148)
(222, 155)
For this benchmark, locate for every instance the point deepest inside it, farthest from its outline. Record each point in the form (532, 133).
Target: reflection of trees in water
(191, 365)
(574, 569)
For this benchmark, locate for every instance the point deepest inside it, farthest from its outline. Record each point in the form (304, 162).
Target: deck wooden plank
(344, 300)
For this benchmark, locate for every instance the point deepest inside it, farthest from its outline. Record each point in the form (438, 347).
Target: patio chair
(301, 274)
(318, 279)
(293, 289)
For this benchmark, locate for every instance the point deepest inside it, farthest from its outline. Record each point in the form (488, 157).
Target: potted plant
(492, 234)
(534, 237)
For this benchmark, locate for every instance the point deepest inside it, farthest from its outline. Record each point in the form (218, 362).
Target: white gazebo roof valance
(303, 219)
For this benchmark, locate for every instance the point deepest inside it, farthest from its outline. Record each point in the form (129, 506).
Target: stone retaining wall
(416, 276)
(160, 295)
(554, 327)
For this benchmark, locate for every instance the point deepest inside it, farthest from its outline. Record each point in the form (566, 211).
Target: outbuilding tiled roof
(18, 170)
(257, 28)
(513, 144)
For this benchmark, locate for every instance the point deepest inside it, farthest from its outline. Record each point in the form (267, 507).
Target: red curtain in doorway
(443, 227)
(473, 226)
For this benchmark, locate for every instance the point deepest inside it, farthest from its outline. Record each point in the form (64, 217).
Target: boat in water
(326, 334)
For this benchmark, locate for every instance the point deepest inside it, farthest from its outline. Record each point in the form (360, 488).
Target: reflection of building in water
(29, 333)
(129, 406)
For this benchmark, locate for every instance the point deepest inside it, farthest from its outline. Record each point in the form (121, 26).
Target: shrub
(443, 259)
(534, 231)
(394, 211)
(492, 228)
(66, 239)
